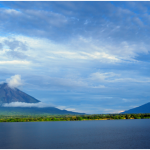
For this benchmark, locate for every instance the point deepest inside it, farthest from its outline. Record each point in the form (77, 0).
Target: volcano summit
(8, 95)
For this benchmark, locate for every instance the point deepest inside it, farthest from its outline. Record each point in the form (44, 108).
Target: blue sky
(90, 57)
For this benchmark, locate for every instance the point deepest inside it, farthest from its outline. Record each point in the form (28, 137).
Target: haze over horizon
(90, 57)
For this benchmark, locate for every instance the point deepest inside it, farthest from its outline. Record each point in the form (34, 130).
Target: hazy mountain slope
(33, 111)
(8, 95)
(141, 109)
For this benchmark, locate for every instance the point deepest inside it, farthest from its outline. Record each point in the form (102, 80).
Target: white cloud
(39, 105)
(70, 109)
(79, 48)
(134, 79)
(14, 81)
(120, 111)
(15, 62)
(98, 76)
(113, 77)
(11, 11)
(113, 111)
(99, 86)
(23, 104)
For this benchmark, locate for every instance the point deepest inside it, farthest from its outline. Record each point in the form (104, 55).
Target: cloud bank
(39, 105)
(23, 104)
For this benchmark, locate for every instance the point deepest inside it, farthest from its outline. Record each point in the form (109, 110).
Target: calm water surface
(97, 134)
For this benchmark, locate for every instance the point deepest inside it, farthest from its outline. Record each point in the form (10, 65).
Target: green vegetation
(34, 118)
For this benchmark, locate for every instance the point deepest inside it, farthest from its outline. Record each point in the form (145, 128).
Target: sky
(91, 57)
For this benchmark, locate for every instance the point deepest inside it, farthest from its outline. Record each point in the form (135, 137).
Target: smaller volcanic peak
(141, 109)
(8, 95)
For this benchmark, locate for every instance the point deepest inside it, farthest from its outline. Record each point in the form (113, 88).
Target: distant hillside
(141, 109)
(33, 111)
(8, 95)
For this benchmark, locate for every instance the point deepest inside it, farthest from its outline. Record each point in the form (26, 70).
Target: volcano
(141, 109)
(8, 95)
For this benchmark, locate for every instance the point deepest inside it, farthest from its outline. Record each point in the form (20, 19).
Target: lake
(97, 134)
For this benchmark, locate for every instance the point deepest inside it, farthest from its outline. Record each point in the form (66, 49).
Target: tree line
(68, 117)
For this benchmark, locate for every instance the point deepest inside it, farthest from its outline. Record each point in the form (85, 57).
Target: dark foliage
(34, 118)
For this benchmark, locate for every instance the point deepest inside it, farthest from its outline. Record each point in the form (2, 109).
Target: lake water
(99, 134)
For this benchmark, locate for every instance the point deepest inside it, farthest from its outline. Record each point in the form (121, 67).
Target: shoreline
(65, 120)
(39, 118)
